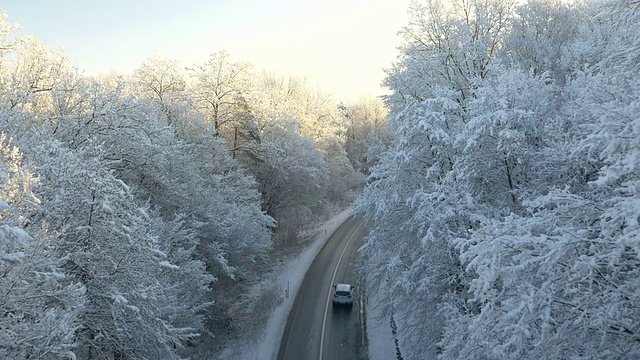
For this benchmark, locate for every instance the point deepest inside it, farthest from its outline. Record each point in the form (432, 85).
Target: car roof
(343, 287)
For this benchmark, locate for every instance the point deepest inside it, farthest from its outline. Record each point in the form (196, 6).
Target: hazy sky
(341, 45)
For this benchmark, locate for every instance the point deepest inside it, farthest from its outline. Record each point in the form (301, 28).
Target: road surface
(315, 329)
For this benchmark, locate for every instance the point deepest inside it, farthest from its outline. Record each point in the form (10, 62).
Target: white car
(343, 295)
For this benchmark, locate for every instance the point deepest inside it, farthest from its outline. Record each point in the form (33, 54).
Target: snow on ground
(265, 343)
(293, 277)
(381, 344)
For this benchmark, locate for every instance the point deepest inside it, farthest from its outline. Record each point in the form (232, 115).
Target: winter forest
(135, 210)
(505, 215)
(500, 181)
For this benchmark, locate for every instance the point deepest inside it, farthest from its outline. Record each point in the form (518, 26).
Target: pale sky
(340, 45)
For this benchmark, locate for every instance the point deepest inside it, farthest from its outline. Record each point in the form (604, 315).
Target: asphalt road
(315, 329)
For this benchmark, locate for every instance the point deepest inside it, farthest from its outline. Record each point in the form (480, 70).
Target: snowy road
(314, 329)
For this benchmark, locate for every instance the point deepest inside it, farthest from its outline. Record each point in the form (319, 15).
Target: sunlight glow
(343, 46)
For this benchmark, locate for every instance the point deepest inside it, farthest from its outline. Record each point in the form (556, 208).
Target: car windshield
(342, 293)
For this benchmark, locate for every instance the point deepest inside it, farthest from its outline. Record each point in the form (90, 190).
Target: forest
(505, 215)
(499, 179)
(137, 209)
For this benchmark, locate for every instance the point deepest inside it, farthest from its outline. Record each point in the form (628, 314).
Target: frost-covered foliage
(505, 214)
(107, 246)
(40, 307)
(294, 147)
(291, 173)
(135, 208)
(185, 282)
(119, 214)
(367, 133)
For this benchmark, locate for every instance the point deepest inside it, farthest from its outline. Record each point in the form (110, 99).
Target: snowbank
(381, 344)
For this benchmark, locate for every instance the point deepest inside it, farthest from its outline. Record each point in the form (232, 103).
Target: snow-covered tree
(449, 45)
(367, 132)
(293, 103)
(131, 269)
(540, 35)
(291, 174)
(300, 141)
(29, 76)
(506, 212)
(163, 82)
(40, 306)
(107, 247)
(414, 204)
(157, 194)
(184, 298)
(219, 89)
